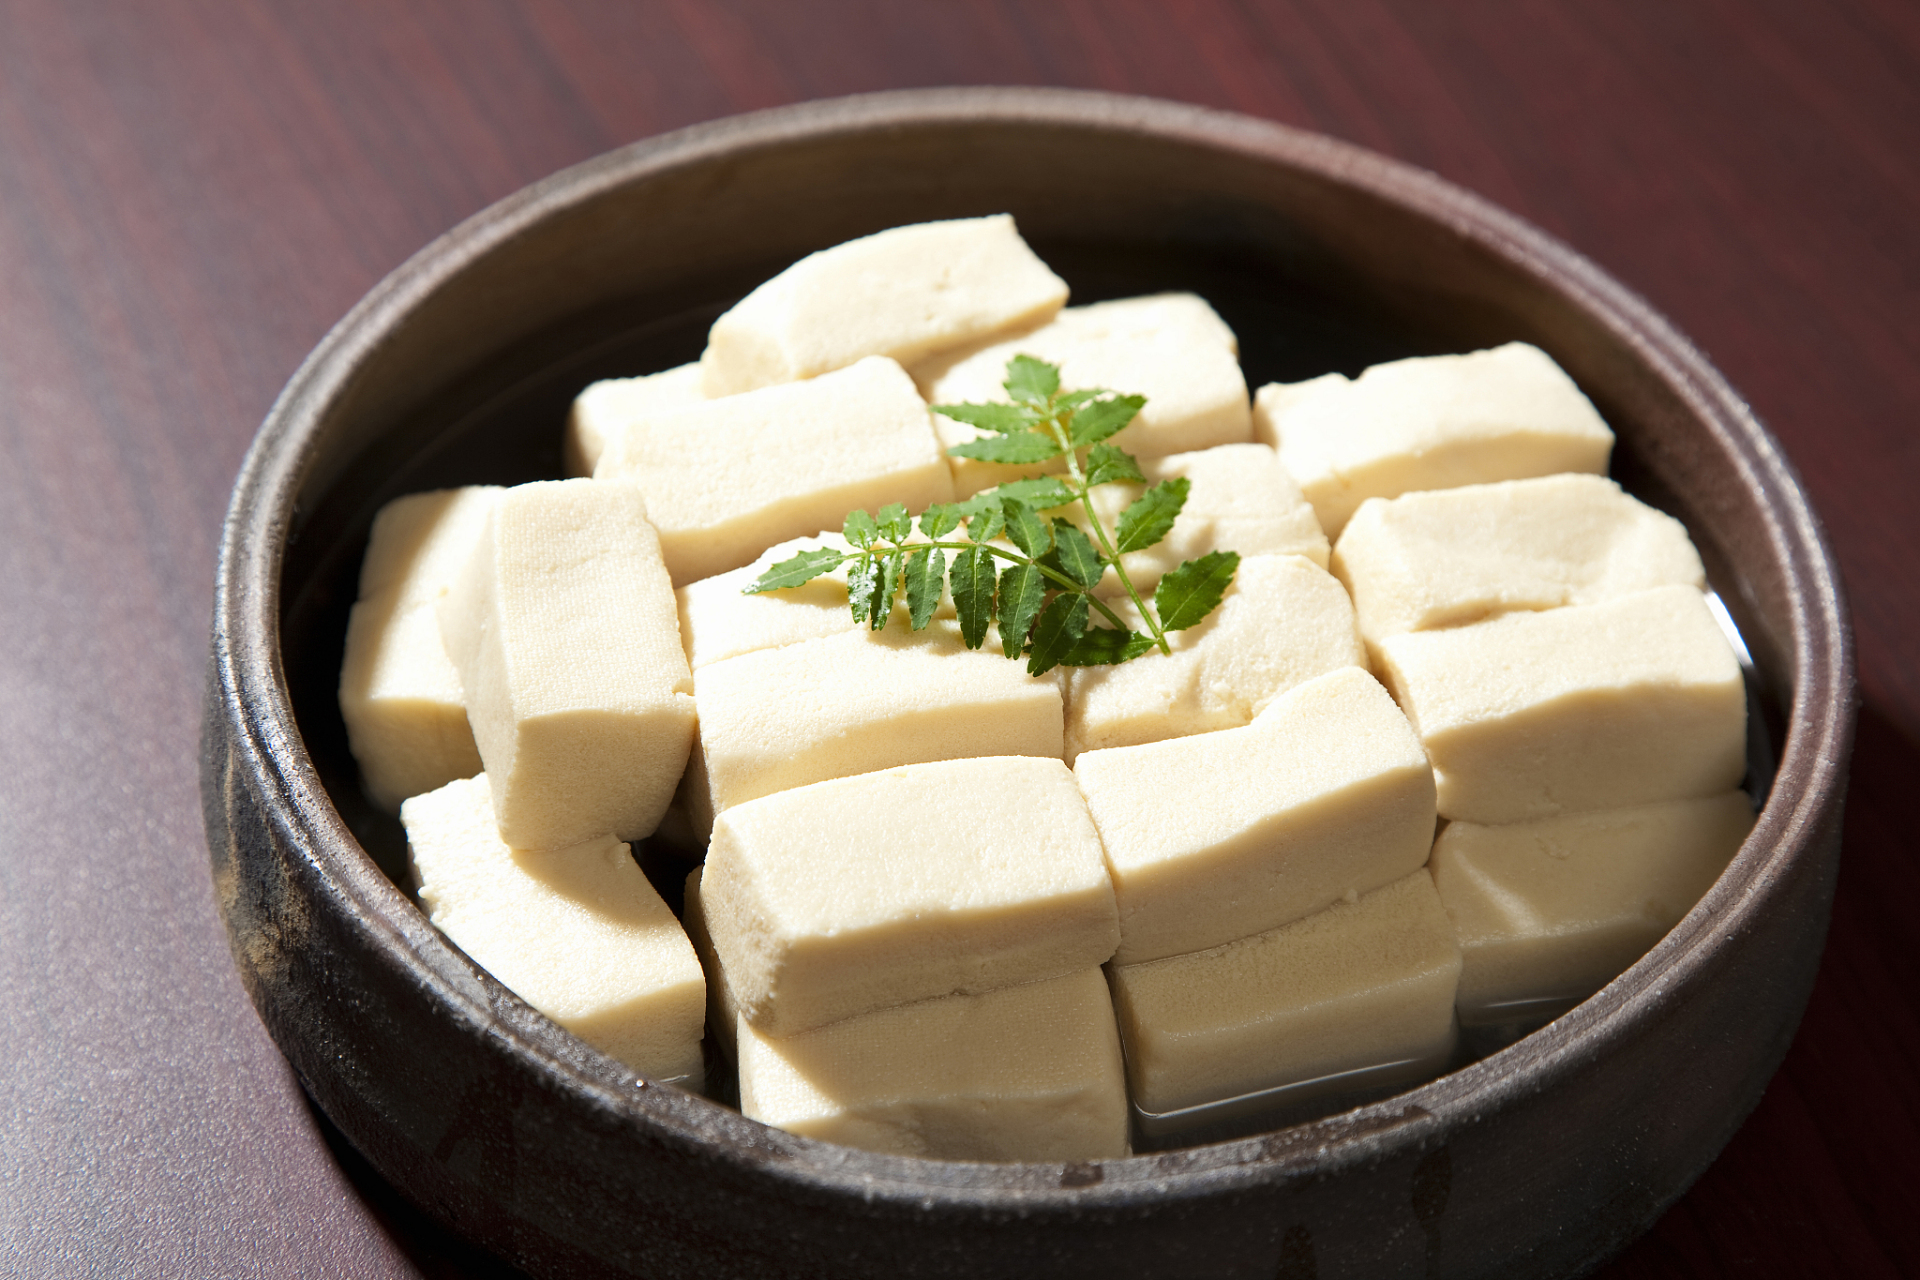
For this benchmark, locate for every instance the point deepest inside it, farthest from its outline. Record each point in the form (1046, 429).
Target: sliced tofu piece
(905, 293)
(577, 933)
(856, 702)
(1024, 1073)
(1239, 499)
(1424, 561)
(862, 893)
(1220, 835)
(1433, 422)
(1283, 621)
(563, 628)
(1599, 706)
(399, 692)
(608, 407)
(1171, 348)
(1549, 912)
(1357, 985)
(727, 479)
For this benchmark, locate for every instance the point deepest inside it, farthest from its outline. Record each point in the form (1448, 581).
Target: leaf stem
(1106, 543)
(1016, 557)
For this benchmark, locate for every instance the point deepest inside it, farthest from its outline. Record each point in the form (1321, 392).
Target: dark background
(191, 193)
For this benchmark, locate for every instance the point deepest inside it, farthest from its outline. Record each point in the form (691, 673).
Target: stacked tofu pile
(948, 909)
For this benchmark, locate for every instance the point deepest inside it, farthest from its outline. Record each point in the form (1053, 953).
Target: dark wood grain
(190, 194)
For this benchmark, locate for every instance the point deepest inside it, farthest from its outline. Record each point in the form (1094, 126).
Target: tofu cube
(577, 933)
(1239, 499)
(1023, 1073)
(1171, 348)
(857, 702)
(563, 628)
(1433, 422)
(399, 692)
(1220, 835)
(904, 293)
(1424, 561)
(1283, 621)
(609, 407)
(1551, 911)
(1599, 706)
(862, 893)
(727, 479)
(1360, 984)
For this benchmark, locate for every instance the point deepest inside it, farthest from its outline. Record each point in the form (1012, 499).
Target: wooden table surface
(191, 193)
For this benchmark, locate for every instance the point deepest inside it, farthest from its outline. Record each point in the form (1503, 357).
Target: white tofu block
(863, 893)
(608, 407)
(719, 621)
(563, 628)
(1444, 558)
(1283, 621)
(1359, 984)
(1220, 835)
(399, 693)
(577, 933)
(904, 293)
(727, 479)
(1433, 422)
(1600, 706)
(1025, 1073)
(1171, 348)
(1552, 911)
(856, 702)
(722, 1009)
(1239, 499)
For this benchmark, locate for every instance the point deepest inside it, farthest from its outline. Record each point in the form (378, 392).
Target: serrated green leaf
(1027, 529)
(1023, 590)
(973, 577)
(983, 515)
(1106, 646)
(940, 519)
(1191, 592)
(1031, 381)
(1150, 516)
(892, 569)
(925, 574)
(864, 582)
(1075, 555)
(1109, 464)
(1074, 399)
(801, 569)
(1103, 418)
(895, 524)
(1058, 630)
(1042, 493)
(859, 529)
(1025, 448)
(1001, 419)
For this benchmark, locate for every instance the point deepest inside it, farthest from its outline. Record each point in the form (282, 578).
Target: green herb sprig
(1040, 590)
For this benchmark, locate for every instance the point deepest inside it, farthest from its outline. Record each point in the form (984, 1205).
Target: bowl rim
(249, 686)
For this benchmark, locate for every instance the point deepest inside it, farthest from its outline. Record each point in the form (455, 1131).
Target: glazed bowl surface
(1541, 1159)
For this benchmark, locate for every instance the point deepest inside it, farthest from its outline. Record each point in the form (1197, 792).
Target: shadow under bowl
(1541, 1159)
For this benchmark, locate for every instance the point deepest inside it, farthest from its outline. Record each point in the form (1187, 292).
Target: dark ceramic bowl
(1541, 1159)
